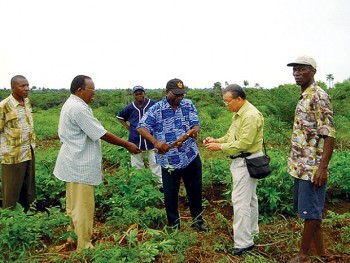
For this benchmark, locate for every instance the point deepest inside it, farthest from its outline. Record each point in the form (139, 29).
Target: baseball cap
(136, 88)
(176, 86)
(303, 60)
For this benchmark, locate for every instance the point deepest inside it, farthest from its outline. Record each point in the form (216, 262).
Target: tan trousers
(245, 204)
(80, 206)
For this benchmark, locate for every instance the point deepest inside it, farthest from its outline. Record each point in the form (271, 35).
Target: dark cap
(136, 88)
(176, 86)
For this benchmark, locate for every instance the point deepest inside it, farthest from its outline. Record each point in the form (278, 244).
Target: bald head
(15, 80)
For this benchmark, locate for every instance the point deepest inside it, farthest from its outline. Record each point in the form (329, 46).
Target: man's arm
(193, 132)
(162, 147)
(125, 124)
(113, 139)
(321, 175)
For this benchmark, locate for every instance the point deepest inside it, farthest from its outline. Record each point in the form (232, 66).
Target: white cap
(303, 60)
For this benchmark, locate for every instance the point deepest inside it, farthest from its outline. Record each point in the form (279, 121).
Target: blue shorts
(308, 199)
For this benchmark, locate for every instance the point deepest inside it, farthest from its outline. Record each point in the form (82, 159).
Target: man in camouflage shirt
(311, 150)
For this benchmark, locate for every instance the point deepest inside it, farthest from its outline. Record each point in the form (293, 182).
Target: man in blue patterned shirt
(172, 126)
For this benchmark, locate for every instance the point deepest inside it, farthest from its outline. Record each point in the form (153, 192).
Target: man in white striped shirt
(79, 161)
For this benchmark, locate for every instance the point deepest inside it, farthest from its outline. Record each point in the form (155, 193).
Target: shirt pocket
(13, 136)
(12, 131)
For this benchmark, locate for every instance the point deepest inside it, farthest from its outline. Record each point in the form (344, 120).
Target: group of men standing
(167, 130)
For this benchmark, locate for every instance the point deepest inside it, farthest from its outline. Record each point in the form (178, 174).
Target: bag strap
(244, 155)
(264, 147)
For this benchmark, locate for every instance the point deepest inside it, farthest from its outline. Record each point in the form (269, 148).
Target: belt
(242, 155)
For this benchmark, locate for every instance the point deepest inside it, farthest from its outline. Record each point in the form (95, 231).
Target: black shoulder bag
(259, 167)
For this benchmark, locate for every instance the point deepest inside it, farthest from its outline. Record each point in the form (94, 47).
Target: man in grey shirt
(79, 161)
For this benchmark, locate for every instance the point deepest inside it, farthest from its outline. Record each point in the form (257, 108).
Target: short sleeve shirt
(167, 125)
(313, 121)
(133, 114)
(17, 135)
(80, 158)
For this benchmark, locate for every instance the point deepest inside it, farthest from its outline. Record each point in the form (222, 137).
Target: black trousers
(192, 178)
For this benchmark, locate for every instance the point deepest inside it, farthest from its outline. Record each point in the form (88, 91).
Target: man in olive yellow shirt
(17, 145)
(244, 138)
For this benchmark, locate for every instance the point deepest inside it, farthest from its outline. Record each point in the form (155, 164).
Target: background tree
(217, 86)
(217, 91)
(245, 83)
(330, 79)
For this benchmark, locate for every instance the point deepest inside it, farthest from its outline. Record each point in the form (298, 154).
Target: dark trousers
(18, 184)
(192, 178)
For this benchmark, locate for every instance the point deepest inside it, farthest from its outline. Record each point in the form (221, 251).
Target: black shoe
(200, 227)
(240, 251)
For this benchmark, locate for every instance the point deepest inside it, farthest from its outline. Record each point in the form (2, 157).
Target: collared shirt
(313, 120)
(167, 125)
(133, 114)
(245, 133)
(80, 157)
(16, 131)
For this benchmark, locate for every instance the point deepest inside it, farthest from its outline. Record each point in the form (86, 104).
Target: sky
(121, 44)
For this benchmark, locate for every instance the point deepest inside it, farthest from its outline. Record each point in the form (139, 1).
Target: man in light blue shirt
(79, 161)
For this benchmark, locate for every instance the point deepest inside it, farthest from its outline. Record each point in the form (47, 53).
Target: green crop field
(130, 216)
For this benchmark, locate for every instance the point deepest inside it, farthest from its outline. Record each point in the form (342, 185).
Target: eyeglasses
(177, 95)
(92, 90)
(228, 102)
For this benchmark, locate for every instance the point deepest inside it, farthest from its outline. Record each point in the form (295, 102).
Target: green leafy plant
(22, 232)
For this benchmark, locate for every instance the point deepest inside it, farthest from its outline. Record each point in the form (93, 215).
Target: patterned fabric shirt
(245, 133)
(313, 120)
(80, 157)
(16, 131)
(167, 125)
(133, 114)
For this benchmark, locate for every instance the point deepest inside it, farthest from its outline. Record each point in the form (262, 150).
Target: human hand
(132, 148)
(190, 133)
(162, 147)
(193, 133)
(209, 140)
(212, 146)
(320, 177)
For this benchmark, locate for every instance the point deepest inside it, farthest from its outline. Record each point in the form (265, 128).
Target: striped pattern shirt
(80, 157)
(16, 131)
